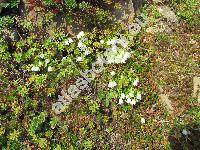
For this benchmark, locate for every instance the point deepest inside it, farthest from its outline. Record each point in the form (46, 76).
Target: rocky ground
(172, 83)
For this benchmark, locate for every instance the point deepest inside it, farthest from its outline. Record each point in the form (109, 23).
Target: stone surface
(196, 88)
(159, 27)
(168, 13)
(166, 102)
(12, 34)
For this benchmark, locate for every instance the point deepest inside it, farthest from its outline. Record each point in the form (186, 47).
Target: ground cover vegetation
(46, 44)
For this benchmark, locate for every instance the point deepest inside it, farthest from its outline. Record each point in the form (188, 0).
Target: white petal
(127, 55)
(129, 100)
(102, 41)
(81, 46)
(70, 40)
(124, 43)
(42, 56)
(79, 59)
(135, 83)
(63, 58)
(133, 102)
(47, 61)
(121, 101)
(66, 42)
(111, 42)
(50, 69)
(35, 68)
(87, 52)
(112, 73)
(127, 96)
(81, 34)
(114, 48)
(139, 96)
(185, 132)
(123, 95)
(142, 120)
(112, 84)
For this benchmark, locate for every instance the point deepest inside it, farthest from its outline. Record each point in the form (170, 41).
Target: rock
(14, 35)
(168, 13)
(196, 89)
(159, 27)
(166, 102)
(11, 34)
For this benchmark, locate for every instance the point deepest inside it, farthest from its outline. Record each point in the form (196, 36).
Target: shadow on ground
(185, 138)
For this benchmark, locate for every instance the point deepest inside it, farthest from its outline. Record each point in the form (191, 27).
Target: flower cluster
(132, 97)
(117, 52)
(42, 63)
(112, 84)
(82, 46)
(68, 41)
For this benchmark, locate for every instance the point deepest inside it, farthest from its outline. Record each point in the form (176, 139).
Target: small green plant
(36, 122)
(71, 4)
(119, 109)
(88, 144)
(189, 11)
(94, 107)
(84, 5)
(6, 21)
(10, 4)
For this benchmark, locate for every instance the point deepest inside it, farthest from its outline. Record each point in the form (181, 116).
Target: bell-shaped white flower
(185, 132)
(81, 46)
(114, 48)
(102, 41)
(121, 101)
(142, 120)
(70, 40)
(112, 73)
(127, 55)
(81, 34)
(50, 69)
(63, 58)
(139, 96)
(112, 84)
(111, 42)
(123, 95)
(47, 61)
(42, 56)
(87, 52)
(79, 59)
(66, 42)
(128, 100)
(35, 68)
(136, 82)
(133, 102)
